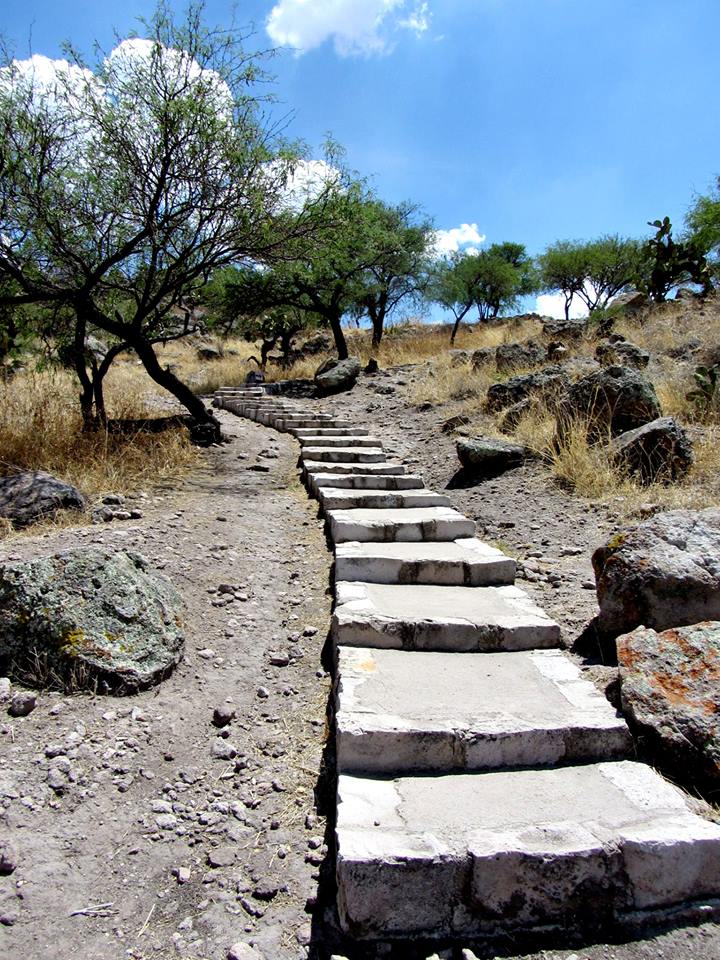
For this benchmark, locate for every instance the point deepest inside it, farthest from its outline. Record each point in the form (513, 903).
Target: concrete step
(344, 454)
(386, 468)
(428, 617)
(400, 712)
(489, 853)
(290, 423)
(302, 433)
(344, 441)
(467, 562)
(413, 523)
(333, 498)
(364, 481)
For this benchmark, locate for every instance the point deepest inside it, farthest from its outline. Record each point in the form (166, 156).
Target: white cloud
(465, 237)
(301, 182)
(553, 305)
(354, 26)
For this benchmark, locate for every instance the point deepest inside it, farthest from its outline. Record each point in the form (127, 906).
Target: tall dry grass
(41, 429)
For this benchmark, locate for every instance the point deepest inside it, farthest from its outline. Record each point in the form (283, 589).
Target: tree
(702, 224)
(490, 280)
(563, 267)
(594, 271)
(124, 187)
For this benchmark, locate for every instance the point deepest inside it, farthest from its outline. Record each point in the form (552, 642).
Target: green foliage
(666, 263)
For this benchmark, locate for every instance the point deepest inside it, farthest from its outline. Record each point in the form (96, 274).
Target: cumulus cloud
(356, 27)
(301, 182)
(465, 238)
(553, 305)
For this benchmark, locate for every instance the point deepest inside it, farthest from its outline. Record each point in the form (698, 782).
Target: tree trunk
(337, 332)
(166, 379)
(458, 319)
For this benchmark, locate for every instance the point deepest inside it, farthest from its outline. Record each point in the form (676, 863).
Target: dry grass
(41, 429)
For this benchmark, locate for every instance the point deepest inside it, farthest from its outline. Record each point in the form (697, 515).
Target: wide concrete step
(386, 468)
(291, 423)
(340, 499)
(489, 853)
(344, 454)
(399, 712)
(302, 433)
(468, 562)
(428, 617)
(343, 441)
(364, 481)
(410, 523)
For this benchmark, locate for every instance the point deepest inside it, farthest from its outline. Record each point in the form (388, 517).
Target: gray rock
(9, 858)
(22, 704)
(513, 356)
(90, 615)
(659, 451)
(631, 302)
(334, 376)
(670, 691)
(221, 856)
(28, 497)
(223, 715)
(317, 344)
(254, 378)
(622, 353)
(662, 573)
(612, 401)
(5, 687)
(485, 455)
(561, 329)
(459, 358)
(548, 384)
(482, 357)
(514, 414)
(243, 951)
(454, 422)
(209, 352)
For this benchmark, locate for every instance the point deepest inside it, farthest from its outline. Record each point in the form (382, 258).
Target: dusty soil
(154, 846)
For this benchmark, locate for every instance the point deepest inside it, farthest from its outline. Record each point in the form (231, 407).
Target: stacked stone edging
(483, 782)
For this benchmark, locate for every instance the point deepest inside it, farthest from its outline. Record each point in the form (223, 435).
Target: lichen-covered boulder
(661, 573)
(612, 400)
(28, 497)
(547, 384)
(514, 356)
(670, 690)
(88, 616)
(334, 376)
(659, 451)
(488, 456)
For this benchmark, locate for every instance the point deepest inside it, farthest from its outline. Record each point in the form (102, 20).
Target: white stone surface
(344, 454)
(289, 423)
(341, 499)
(365, 469)
(399, 712)
(409, 524)
(467, 561)
(476, 853)
(364, 481)
(428, 617)
(301, 433)
(355, 440)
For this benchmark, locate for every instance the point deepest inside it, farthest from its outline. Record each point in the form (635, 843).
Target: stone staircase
(484, 786)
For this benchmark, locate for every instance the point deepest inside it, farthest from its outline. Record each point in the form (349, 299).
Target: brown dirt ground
(260, 815)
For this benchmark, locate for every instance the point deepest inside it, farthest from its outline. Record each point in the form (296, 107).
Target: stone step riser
(339, 499)
(346, 441)
(400, 526)
(364, 481)
(343, 454)
(301, 434)
(313, 467)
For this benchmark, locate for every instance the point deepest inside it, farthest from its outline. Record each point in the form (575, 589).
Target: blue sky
(536, 120)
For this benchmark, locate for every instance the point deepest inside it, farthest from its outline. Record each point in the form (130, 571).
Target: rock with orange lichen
(670, 692)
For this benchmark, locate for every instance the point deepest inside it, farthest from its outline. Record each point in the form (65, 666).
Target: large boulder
(334, 376)
(631, 302)
(620, 352)
(612, 400)
(90, 615)
(670, 692)
(548, 384)
(515, 356)
(662, 573)
(659, 451)
(558, 328)
(483, 357)
(486, 456)
(28, 497)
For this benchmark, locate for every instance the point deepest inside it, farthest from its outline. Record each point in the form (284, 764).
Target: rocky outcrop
(90, 615)
(482, 357)
(659, 451)
(558, 328)
(619, 352)
(670, 690)
(612, 400)
(633, 301)
(488, 456)
(662, 573)
(28, 497)
(335, 376)
(547, 384)
(515, 356)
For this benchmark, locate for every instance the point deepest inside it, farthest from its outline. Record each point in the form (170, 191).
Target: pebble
(8, 857)
(223, 715)
(244, 951)
(22, 704)
(263, 693)
(222, 750)
(221, 856)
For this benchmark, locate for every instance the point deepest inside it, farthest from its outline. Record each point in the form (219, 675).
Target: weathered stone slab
(429, 617)
(342, 441)
(317, 421)
(413, 523)
(344, 454)
(670, 689)
(364, 481)
(340, 499)
(502, 851)
(386, 468)
(302, 433)
(463, 562)
(400, 712)
(26, 498)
